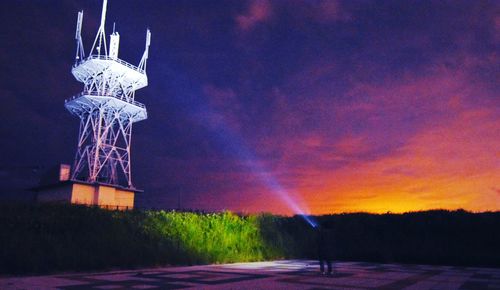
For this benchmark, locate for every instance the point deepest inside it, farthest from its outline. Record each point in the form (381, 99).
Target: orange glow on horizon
(455, 165)
(451, 166)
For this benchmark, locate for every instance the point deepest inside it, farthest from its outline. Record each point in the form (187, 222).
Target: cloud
(322, 11)
(219, 96)
(451, 166)
(351, 145)
(328, 11)
(418, 141)
(394, 109)
(224, 109)
(497, 28)
(258, 11)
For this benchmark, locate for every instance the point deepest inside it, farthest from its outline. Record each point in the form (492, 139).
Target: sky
(318, 106)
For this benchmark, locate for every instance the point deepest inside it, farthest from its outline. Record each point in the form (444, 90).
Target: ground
(286, 274)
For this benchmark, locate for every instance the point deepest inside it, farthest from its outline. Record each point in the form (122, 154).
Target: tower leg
(103, 153)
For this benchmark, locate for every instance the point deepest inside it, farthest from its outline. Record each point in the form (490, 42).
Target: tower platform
(119, 74)
(87, 102)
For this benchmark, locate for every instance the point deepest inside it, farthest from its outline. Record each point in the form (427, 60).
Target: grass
(52, 238)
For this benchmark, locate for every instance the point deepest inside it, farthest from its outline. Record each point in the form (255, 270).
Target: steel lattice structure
(106, 108)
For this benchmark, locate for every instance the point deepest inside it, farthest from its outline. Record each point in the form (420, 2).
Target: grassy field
(51, 238)
(48, 238)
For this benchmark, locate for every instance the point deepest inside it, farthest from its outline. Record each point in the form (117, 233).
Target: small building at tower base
(57, 187)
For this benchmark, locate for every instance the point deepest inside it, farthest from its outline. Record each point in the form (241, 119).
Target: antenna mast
(100, 38)
(142, 63)
(80, 53)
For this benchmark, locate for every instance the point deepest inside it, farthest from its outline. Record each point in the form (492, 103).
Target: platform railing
(105, 57)
(89, 93)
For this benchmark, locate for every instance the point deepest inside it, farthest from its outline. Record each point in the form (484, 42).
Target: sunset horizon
(289, 107)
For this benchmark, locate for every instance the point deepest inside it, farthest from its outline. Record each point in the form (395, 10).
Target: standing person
(325, 249)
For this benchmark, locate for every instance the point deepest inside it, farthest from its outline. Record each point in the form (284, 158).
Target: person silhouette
(325, 249)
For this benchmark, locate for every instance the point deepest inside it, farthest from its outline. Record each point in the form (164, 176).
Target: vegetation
(50, 238)
(432, 237)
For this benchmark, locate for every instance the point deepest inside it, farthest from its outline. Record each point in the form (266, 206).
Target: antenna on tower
(80, 53)
(100, 38)
(142, 64)
(114, 43)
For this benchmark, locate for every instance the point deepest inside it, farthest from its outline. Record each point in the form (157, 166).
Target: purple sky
(335, 105)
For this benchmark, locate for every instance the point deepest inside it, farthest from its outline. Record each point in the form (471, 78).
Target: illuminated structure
(107, 110)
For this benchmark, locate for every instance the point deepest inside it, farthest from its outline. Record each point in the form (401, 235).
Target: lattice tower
(106, 107)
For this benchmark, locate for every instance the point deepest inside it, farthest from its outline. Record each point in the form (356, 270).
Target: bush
(49, 238)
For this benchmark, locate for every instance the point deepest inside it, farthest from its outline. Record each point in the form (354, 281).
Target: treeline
(431, 237)
(51, 238)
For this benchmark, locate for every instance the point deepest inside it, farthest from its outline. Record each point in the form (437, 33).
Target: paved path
(289, 274)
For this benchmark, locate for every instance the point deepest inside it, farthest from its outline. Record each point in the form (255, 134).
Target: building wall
(56, 194)
(89, 194)
(84, 194)
(125, 198)
(106, 195)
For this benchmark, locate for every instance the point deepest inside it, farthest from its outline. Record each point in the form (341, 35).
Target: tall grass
(208, 238)
(51, 238)
(47, 238)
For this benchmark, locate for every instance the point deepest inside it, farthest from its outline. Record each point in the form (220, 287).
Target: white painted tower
(106, 107)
